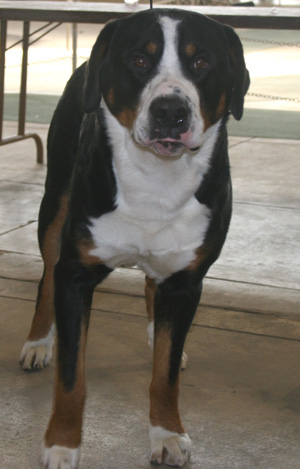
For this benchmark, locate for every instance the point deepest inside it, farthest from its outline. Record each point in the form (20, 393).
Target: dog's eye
(200, 64)
(141, 62)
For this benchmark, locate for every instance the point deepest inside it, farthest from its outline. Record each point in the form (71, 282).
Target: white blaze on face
(170, 81)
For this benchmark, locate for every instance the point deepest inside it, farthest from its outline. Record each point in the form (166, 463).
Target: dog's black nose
(170, 116)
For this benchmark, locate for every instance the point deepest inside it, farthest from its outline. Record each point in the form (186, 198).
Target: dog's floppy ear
(240, 74)
(92, 91)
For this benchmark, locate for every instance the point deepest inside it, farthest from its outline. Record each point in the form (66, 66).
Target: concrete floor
(240, 395)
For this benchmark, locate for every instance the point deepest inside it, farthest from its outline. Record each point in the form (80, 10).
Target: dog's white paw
(169, 448)
(37, 354)
(59, 457)
(150, 332)
(184, 360)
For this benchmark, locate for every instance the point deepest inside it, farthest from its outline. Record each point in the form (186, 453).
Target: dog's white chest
(159, 248)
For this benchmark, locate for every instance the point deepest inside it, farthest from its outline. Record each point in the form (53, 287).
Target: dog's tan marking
(84, 248)
(211, 118)
(151, 47)
(206, 119)
(111, 97)
(150, 290)
(164, 410)
(65, 424)
(127, 117)
(201, 254)
(221, 107)
(44, 315)
(190, 49)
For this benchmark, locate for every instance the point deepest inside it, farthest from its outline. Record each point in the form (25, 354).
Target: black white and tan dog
(138, 173)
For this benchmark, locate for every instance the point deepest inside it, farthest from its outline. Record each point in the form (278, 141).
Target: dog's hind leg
(37, 350)
(150, 290)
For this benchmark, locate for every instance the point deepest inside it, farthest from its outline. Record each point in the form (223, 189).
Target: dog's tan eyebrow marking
(190, 49)
(151, 47)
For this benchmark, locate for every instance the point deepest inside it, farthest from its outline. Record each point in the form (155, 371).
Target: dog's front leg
(74, 287)
(150, 290)
(176, 301)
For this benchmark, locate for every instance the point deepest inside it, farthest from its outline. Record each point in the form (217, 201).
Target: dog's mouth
(167, 148)
(170, 147)
(167, 145)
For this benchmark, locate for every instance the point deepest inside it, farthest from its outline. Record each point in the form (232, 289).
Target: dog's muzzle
(169, 119)
(169, 123)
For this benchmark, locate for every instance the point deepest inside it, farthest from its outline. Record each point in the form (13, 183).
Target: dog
(138, 174)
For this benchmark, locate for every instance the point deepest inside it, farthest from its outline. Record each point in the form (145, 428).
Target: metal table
(79, 12)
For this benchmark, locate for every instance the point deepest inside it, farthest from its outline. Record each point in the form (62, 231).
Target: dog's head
(168, 76)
